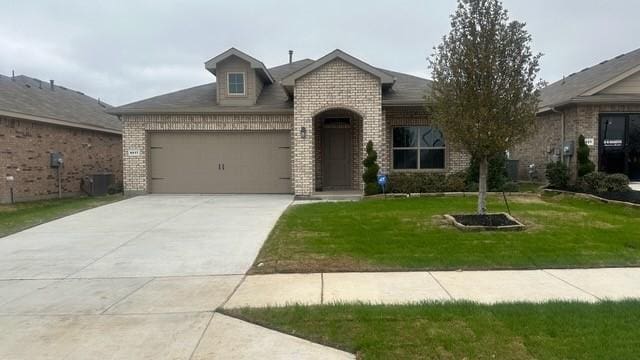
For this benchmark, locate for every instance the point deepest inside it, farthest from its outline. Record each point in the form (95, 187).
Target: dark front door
(633, 147)
(620, 144)
(336, 158)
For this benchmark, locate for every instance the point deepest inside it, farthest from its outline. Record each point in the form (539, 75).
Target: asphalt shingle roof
(571, 87)
(273, 98)
(29, 96)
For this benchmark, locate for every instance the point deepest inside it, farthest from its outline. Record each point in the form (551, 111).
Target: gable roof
(32, 99)
(253, 62)
(202, 99)
(407, 90)
(385, 79)
(585, 85)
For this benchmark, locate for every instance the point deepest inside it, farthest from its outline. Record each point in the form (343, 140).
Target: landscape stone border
(518, 227)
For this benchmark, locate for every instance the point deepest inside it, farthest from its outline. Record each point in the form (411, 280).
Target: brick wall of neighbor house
(542, 147)
(335, 85)
(25, 148)
(455, 160)
(136, 128)
(545, 143)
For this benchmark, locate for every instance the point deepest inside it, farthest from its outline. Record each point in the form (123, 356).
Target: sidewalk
(488, 287)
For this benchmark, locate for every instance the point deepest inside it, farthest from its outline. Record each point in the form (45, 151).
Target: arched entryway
(338, 150)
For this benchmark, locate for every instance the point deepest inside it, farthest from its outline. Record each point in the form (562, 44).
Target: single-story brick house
(297, 128)
(602, 103)
(38, 119)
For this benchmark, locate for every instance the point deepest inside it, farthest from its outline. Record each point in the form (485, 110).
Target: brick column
(135, 167)
(303, 155)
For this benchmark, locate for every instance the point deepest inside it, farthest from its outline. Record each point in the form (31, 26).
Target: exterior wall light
(303, 132)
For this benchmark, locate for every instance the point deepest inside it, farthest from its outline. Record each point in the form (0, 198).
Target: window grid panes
(236, 83)
(418, 147)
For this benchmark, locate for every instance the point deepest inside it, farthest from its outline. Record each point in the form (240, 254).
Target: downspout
(562, 132)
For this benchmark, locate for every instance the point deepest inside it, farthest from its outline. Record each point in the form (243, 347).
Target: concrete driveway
(136, 279)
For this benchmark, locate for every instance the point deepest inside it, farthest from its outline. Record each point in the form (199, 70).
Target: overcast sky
(122, 51)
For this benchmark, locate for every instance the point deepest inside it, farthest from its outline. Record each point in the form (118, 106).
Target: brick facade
(137, 127)
(335, 85)
(545, 144)
(336, 89)
(25, 148)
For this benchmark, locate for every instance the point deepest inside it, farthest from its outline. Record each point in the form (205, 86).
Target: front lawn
(411, 234)
(465, 331)
(20, 216)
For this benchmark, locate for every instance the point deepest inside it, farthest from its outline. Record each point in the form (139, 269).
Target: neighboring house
(38, 119)
(297, 128)
(602, 103)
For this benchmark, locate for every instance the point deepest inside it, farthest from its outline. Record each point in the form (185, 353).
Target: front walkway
(587, 285)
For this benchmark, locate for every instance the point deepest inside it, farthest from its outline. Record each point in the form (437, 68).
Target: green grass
(465, 331)
(411, 234)
(20, 216)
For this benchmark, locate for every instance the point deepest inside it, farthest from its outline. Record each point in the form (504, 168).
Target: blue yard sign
(382, 181)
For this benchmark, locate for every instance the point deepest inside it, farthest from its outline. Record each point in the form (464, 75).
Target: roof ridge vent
(570, 75)
(619, 56)
(585, 69)
(604, 62)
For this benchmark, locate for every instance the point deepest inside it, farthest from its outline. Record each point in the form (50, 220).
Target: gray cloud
(123, 51)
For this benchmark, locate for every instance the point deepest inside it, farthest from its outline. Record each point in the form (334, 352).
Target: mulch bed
(491, 220)
(627, 196)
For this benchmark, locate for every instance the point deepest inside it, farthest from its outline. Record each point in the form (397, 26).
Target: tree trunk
(482, 186)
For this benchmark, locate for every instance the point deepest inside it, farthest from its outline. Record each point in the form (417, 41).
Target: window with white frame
(235, 83)
(418, 148)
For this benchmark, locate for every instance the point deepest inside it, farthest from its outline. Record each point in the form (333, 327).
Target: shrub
(456, 182)
(617, 183)
(594, 182)
(473, 186)
(415, 182)
(585, 165)
(598, 182)
(115, 188)
(497, 175)
(557, 174)
(371, 168)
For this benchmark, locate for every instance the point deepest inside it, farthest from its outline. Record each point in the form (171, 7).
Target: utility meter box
(56, 159)
(567, 149)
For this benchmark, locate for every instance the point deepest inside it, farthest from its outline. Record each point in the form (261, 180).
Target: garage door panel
(234, 162)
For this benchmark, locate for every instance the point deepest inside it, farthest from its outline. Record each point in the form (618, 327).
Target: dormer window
(235, 83)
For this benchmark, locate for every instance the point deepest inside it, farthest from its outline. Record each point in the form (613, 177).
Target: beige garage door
(217, 162)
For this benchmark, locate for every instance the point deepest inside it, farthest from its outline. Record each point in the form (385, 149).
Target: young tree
(484, 92)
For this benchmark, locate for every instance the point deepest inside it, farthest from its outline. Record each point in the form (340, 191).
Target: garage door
(215, 162)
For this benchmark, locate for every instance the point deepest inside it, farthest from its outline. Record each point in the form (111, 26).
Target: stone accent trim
(137, 127)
